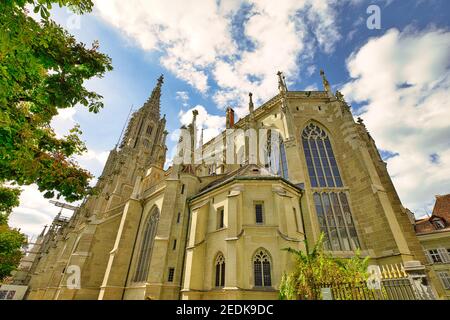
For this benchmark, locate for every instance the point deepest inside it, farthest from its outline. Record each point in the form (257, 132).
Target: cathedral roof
(247, 172)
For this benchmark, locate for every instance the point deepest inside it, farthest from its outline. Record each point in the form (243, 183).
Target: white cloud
(404, 80)
(201, 42)
(183, 96)
(34, 212)
(93, 161)
(64, 121)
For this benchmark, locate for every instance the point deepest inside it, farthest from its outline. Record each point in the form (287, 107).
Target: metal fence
(393, 284)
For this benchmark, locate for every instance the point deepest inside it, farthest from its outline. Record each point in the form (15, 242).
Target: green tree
(42, 70)
(11, 241)
(316, 267)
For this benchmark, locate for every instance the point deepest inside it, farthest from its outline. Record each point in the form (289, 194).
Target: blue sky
(213, 52)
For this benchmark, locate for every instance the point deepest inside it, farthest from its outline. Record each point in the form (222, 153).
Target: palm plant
(315, 267)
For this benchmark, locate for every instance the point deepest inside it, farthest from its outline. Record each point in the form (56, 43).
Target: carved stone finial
(250, 103)
(340, 96)
(360, 120)
(281, 82)
(325, 82)
(160, 80)
(195, 114)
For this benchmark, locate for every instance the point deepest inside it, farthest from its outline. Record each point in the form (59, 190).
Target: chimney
(230, 118)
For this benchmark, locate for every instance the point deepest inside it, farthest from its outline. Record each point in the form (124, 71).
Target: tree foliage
(43, 69)
(315, 267)
(11, 241)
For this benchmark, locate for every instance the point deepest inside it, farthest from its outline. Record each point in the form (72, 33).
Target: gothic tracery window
(261, 269)
(332, 207)
(322, 167)
(145, 253)
(220, 271)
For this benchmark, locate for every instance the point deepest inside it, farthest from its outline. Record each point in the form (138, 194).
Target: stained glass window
(332, 207)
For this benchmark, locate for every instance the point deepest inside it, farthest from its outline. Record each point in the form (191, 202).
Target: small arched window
(261, 269)
(220, 271)
(146, 249)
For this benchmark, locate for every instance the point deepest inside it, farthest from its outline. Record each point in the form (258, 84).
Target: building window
(445, 279)
(284, 166)
(439, 255)
(435, 256)
(259, 213)
(149, 130)
(261, 269)
(220, 271)
(276, 160)
(174, 244)
(182, 189)
(438, 224)
(179, 217)
(220, 218)
(332, 208)
(171, 274)
(335, 221)
(148, 238)
(321, 163)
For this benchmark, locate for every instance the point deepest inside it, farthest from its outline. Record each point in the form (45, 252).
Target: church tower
(143, 145)
(93, 230)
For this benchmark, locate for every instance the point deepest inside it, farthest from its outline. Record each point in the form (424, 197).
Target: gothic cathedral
(213, 230)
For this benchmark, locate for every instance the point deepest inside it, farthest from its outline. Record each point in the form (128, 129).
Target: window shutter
(445, 279)
(427, 254)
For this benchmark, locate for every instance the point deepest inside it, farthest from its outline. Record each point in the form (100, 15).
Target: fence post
(419, 281)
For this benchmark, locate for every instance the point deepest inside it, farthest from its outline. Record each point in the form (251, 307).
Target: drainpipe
(302, 218)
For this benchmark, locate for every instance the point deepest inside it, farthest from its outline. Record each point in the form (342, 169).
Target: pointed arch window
(220, 271)
(276, 160)
(332, 208)
(262, 269)
(147, 242)
(320, 160)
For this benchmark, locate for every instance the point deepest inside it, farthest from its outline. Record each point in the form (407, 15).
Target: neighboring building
(434, 235)
(216, 231)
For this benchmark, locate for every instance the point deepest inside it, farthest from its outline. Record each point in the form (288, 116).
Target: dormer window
(438, 223)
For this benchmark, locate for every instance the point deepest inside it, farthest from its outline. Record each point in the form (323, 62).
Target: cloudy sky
(213, 52)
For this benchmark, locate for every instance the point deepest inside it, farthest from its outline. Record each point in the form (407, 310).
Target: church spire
(153, 102)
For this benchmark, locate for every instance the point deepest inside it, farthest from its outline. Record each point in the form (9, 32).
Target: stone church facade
(216, 231)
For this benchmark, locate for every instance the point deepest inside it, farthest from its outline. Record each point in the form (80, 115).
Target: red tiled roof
(442, 207)
(441, 210)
